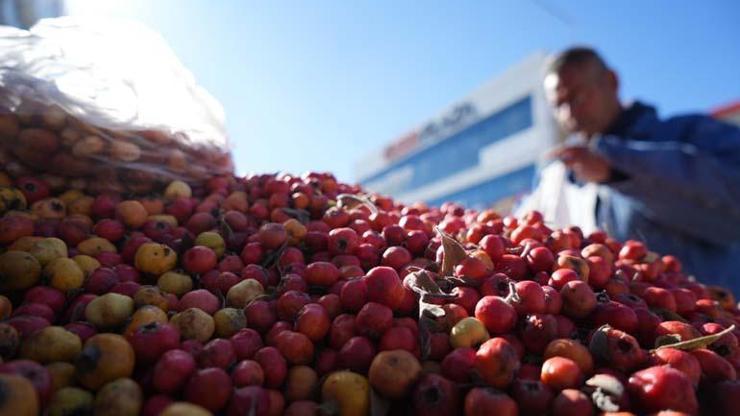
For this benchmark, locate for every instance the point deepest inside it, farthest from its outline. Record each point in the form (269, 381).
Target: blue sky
(314, 85)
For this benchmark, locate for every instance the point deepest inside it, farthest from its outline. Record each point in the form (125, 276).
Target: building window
(459, 151)
(487, 193)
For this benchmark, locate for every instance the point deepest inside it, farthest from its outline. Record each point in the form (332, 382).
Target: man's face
(581, 97)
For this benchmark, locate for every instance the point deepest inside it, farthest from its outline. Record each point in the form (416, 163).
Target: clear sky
(314, 85)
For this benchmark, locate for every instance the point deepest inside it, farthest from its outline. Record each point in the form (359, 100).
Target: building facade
(729, 112)
(25, 13)
(481, 151)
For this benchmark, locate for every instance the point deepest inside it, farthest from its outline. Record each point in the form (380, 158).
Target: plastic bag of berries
(105, 105)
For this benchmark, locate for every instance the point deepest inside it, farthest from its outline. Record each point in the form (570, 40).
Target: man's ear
(613, 80)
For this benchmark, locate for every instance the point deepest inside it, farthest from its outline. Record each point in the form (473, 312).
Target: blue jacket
(677, 187)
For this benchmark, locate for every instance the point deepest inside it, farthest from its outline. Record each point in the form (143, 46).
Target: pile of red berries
(299, 295)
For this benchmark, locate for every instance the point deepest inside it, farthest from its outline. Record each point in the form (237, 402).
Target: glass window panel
(460, 151)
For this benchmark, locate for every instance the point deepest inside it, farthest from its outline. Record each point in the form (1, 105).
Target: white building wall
(509, 154)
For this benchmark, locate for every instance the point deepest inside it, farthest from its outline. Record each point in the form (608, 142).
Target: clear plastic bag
(107, 106)
(561, 202)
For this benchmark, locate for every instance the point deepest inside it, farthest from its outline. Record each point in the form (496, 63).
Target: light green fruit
(122, 397)
(11, 199)
(176, 283)
(212, 240)
(155, 258)
(468, 332)
(18, 270)
(184, 409)
(109, 311)
(64, 274)
(177, 189)
(229, 321)
(51, 344)
(193, 323)
(244, 292)
(70, 401)
(48, 249)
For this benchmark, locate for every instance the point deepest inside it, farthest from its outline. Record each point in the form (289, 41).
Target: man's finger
(551, 154)
(569, 154)
(557, 152)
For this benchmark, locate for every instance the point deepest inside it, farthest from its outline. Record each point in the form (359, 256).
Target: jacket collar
(634, 120)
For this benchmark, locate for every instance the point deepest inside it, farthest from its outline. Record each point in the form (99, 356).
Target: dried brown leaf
(350, 201)
(454, 252)
(701, 342)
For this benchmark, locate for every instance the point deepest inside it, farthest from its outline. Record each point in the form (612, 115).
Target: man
(673, 183)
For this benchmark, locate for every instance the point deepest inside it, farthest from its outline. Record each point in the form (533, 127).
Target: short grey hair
(576, 56)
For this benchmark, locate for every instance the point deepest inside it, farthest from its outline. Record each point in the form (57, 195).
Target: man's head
(583, 90)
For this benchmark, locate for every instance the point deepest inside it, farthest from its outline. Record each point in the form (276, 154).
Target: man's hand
(587, 165)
